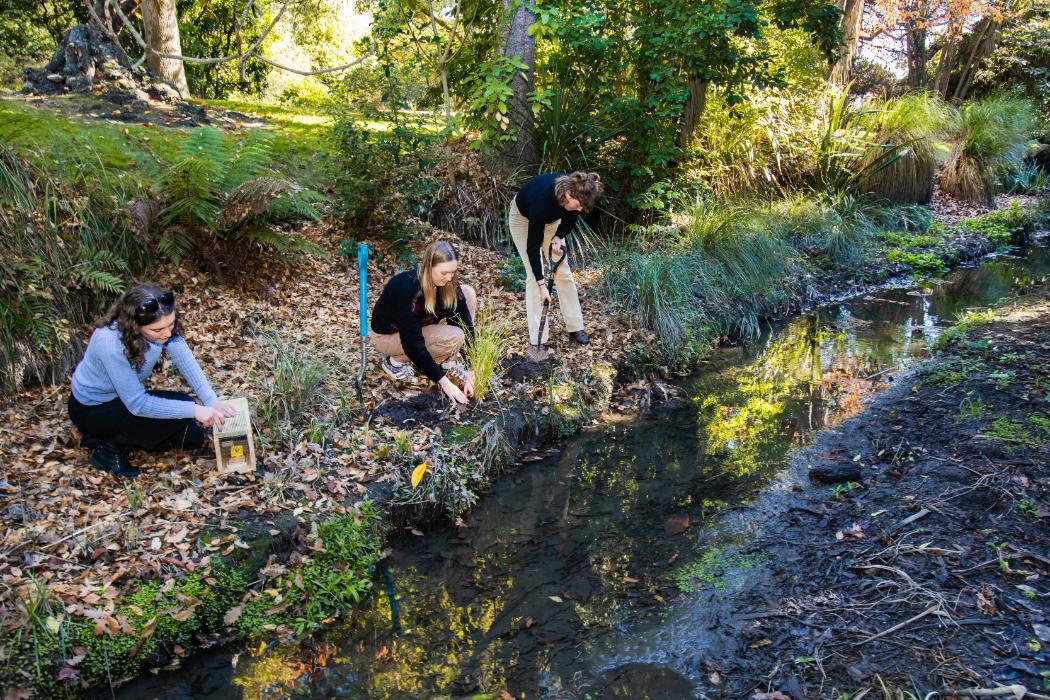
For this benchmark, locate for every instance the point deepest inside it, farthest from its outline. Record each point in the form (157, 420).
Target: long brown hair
(125, 316)
(584, 188)
(436, 253)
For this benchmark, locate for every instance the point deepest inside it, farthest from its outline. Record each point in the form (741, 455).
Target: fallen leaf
(232, 615)
(556, 599)
(417, 474)
(676, 525)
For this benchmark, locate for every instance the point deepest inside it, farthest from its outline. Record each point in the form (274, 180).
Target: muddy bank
(926, 573)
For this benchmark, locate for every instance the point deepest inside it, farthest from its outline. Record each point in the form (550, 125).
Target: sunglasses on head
(153, 305)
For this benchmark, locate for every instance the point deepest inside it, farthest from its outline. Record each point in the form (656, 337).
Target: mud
(928, 574)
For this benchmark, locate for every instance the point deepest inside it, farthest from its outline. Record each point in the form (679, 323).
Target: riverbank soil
(929, 573)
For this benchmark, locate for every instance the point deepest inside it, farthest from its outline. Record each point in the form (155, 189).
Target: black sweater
(537, 203)
(400, 310)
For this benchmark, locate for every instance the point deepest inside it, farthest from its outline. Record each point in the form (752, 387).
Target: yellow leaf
(417, 474)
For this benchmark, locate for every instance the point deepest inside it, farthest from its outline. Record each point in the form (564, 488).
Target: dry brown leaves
(88, 537)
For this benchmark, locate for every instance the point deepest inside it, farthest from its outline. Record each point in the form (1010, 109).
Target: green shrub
(381, 178)
(994, 134)
(220, 198)
(66, 249)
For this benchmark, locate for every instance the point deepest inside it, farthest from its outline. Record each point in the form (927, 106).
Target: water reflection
(541, 591)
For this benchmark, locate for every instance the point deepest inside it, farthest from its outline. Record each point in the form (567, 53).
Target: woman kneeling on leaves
(422, 319)
(109, 403)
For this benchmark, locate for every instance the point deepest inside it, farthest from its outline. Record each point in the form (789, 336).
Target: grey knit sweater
(106, 373)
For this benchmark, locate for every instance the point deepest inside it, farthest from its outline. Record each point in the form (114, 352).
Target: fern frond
(174, 244)
(251, 161)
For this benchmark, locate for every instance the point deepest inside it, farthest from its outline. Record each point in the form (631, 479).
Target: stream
(587, 573)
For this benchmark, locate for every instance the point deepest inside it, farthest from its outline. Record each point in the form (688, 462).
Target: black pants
(113, 422)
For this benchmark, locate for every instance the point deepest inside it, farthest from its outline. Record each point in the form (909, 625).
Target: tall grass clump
(492, 338)
(994, 134)
(711, 270)
(921, 124)
(294, 390)
(65, 251)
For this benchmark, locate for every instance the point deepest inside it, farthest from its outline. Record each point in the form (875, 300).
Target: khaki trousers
(443, 340)
(568, 297)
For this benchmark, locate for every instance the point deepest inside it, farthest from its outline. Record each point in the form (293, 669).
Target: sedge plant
(489, 346)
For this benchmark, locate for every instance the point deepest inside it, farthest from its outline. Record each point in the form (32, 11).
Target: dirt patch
(929, 572)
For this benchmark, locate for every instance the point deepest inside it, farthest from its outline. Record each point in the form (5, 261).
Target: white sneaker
(456, 370)
(399, 372)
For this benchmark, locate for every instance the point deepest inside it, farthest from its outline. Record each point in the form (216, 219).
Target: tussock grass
(492, 339)
(920, 123)
(994, 134)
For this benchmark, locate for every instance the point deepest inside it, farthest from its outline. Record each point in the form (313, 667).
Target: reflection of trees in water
(805, 379)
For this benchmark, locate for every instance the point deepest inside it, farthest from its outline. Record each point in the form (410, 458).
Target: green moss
(461, 434)
(715, 570)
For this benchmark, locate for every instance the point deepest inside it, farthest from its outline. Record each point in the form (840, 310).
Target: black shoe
(579, 337)
(111, 458)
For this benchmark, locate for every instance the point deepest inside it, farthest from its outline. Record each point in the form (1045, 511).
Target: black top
(537, 203)
(400, 310)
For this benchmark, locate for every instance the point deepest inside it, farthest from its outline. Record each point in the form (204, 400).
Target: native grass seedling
(839, 490)
(971, 407)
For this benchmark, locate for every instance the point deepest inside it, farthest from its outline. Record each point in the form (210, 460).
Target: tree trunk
(852, 14)
(162, 35)
(694, 109)
(915, 34)
(985, 34)
(518, 42)
(946, 64)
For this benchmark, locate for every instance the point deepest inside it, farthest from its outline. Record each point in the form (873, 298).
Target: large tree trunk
(852, 14)
(518, 42)
(162, 34)
(915, 34)
(984, 36)
(948, 59)
(694, 109)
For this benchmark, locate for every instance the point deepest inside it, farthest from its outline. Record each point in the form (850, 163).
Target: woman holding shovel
(541, 217)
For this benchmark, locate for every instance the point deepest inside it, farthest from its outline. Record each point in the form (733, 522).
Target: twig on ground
(933, 608)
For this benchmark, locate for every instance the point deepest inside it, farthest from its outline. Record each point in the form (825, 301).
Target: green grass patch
(964, 323)
(950, 371)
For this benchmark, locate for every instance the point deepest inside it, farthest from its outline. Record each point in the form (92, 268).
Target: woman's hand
(558, 245)
(545, 295)
(211, 416)
(452, 391)
(468, 386)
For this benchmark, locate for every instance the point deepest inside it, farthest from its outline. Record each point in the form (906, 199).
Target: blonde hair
(584, 188)
(436, 253)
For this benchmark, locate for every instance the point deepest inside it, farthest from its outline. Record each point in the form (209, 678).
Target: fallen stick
(1018, 691)
(85, 529)
(909, 520)
(924, 613)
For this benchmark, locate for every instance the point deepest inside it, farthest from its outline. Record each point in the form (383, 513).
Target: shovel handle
(362, 277)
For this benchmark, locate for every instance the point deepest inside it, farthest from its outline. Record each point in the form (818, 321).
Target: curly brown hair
(584, 188)
(125, 316)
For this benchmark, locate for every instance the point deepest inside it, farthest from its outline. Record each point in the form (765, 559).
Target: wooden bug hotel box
(234, 443)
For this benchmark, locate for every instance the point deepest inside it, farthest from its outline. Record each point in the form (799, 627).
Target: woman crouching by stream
(422, 319)
(109, 403)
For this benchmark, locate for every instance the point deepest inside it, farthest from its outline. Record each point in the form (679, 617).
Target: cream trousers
(443, 340)
(568, 297)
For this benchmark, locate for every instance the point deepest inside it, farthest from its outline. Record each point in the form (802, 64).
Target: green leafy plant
(964, 323)
(840, 490)
(221, 197)
(62, 257)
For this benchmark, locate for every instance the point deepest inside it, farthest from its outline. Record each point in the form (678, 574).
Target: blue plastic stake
(362, 280)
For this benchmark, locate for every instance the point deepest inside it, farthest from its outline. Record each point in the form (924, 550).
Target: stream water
(571, 578)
